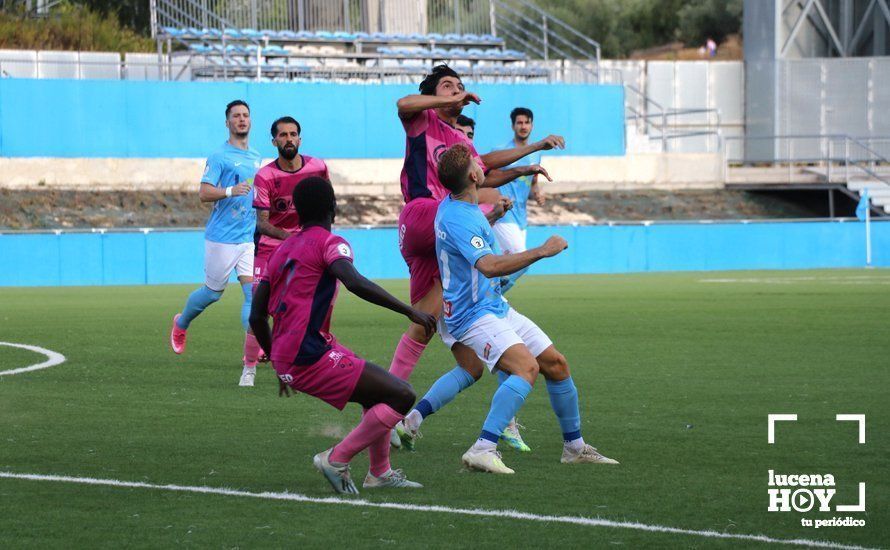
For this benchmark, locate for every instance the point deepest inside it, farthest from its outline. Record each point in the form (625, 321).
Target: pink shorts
(417, 242)
(332, 378)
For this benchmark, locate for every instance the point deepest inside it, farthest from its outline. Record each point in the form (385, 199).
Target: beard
(288, 153)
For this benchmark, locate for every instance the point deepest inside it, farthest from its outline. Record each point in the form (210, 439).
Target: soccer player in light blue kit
(477, 316)
(511, 230)
(228, 238)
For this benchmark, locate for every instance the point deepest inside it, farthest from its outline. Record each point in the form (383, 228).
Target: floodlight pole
(868, 232)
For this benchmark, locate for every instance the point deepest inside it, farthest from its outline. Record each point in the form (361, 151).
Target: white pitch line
(478, 512)
(52, 358)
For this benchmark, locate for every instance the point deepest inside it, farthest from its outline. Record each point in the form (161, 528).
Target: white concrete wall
(366, 176)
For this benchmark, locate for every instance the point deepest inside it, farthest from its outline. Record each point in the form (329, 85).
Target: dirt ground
(62, 209)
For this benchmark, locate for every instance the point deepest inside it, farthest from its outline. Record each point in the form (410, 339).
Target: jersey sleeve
(336, 248)
(417, 124)
(466, 235)
(325, 173)
(212, 171)
(262, 188)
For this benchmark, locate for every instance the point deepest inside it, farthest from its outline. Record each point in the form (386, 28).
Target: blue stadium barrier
(146, 119)
(160, 257)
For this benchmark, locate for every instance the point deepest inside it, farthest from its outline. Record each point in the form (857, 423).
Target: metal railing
(830, 158)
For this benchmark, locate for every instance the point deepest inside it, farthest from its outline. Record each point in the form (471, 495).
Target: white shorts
(221, 258)
(510, 237)
(491, 336)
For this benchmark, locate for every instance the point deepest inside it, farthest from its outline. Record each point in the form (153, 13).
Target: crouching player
(298, 290)
(476, 315)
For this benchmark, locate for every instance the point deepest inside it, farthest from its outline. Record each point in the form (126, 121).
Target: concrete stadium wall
(366, 176)
(160, 257)
(132, 119)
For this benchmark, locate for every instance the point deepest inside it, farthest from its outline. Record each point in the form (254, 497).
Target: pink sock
(407, 355)
(378, 453)
(378, 421)
(251, 350)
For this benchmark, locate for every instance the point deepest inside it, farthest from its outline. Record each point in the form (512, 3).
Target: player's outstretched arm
(259, 317)
(504, 157)
(410, 105)
(499, 177)
(371, 292)
(495, 265)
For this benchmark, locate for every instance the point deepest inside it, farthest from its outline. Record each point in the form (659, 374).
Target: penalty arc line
(478, 512)
(52, 359)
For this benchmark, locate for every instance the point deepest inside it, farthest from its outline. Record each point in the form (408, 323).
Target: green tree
(703, 19)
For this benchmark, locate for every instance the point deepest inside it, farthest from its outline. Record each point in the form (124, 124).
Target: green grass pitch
(676, 372)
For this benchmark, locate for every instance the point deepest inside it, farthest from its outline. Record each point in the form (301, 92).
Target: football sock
(196, 303)
(377, 422)
(251, 350)
(247, 289)
(564, 400)
(407, 355)
(502, 376)
(507, 400)
(378, 453)
(443, 391)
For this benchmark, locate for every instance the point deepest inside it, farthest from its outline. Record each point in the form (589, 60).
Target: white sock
(413, 420)
(575, 444)
(484, 445)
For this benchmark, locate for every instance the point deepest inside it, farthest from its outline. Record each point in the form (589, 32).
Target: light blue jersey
(519, 189)
(232, 219)
(463, 235)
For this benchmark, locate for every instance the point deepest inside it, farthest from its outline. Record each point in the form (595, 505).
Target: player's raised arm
(371, 292)
(495, 265)
(499, 177)
(505, 157)
(410, 105)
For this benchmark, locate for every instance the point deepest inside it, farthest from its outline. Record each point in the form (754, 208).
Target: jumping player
(228, 244)
(477, 316)
(276, 217)
(298, 289)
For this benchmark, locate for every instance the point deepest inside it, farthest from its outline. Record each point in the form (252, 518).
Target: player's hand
(551, 142)
(241, 189)
(535, 169)
(538, 195)
(465, 98)
(553, 246)
(427, 321)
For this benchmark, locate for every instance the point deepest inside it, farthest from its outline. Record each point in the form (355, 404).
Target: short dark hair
(233, 104)
(428, 86)
(466, 121)
(520, 111)
(285, 120)
(453, 167)
(314, 199)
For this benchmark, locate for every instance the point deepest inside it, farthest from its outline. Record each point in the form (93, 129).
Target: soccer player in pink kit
(429, 121)
(298, 289)
(276, 217)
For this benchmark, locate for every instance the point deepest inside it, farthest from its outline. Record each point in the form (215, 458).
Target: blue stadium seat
(380, 36)
(401, 38)
(305, 35)
(251, 33)
(471, 38)
(193, 32)
(287, 35)
(459, 53)
(269, 33)
(435, 37)
(275, 50)
(324, 35)
(439, 52)
(173, 31)
(215, 33)
(452, 37)
(514, 53)
(490, 39)
(345, 36)
(362, 36)
(493, 54)
(386, 51)
(232, 33)
(415, 37)
(475, 52)
(200, 48)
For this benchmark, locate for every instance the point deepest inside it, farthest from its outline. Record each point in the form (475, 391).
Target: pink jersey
(428, 136)
(274, 188)
(302, 294)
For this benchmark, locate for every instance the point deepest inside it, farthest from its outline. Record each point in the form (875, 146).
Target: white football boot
(585, 455)
(485, 460)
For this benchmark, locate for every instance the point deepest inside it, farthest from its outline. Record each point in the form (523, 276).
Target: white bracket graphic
(854, 418)
(854, 507)
(771, 424)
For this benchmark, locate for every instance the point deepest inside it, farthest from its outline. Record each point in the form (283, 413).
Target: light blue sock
(247, 289)
(502, 376)
(444, 390)
(508, 282)
(507, 401)
(196, 303)
(564, 400)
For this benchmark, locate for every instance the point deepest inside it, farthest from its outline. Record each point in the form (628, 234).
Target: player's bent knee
(554, 365)
(403, 397)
